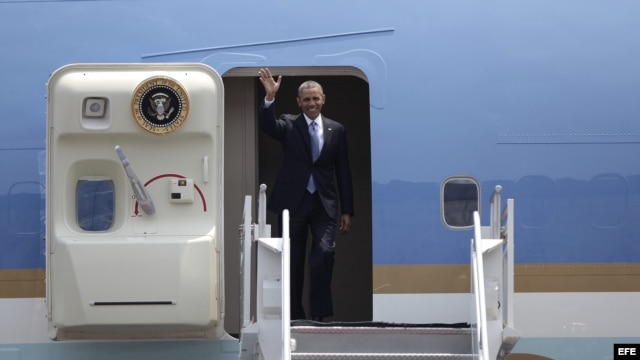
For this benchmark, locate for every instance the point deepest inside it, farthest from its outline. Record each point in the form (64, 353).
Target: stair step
(370, 356)
(376, 342)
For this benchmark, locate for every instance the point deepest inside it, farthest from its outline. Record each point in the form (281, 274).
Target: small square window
(94, 107)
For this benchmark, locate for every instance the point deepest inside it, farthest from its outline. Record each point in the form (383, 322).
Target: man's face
(311, 101)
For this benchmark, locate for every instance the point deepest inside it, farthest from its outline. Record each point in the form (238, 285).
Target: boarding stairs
(270, 335)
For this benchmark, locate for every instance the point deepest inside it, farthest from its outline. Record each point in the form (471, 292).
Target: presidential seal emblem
(160, 105)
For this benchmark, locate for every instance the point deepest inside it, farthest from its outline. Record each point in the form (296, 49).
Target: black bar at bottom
(103, 303)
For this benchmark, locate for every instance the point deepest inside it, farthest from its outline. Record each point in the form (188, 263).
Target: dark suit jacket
(333, 163)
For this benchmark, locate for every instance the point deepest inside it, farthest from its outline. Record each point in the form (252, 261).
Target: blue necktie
(315, 152)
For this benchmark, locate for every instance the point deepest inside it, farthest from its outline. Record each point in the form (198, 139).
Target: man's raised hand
(270, 85)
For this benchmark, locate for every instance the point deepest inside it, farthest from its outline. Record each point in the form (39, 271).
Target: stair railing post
(286, 288)
(495, 212)
(245, 262)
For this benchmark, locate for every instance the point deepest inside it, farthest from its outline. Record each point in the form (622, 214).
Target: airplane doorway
(253, 158)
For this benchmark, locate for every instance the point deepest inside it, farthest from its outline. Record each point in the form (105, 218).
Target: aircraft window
(95, 204)
(536, 201)
(24, 201)
(459, 200)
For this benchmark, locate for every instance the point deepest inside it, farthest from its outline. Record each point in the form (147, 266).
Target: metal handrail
(481, 341)
(494, 235)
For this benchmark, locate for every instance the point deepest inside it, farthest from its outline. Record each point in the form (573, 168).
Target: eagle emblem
(160, 106)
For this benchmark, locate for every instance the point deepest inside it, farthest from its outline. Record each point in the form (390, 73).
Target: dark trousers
(311, 216)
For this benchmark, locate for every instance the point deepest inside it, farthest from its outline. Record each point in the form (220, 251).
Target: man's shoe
(317, 318)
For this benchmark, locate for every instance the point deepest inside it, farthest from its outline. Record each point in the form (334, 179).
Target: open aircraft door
(134, 201)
